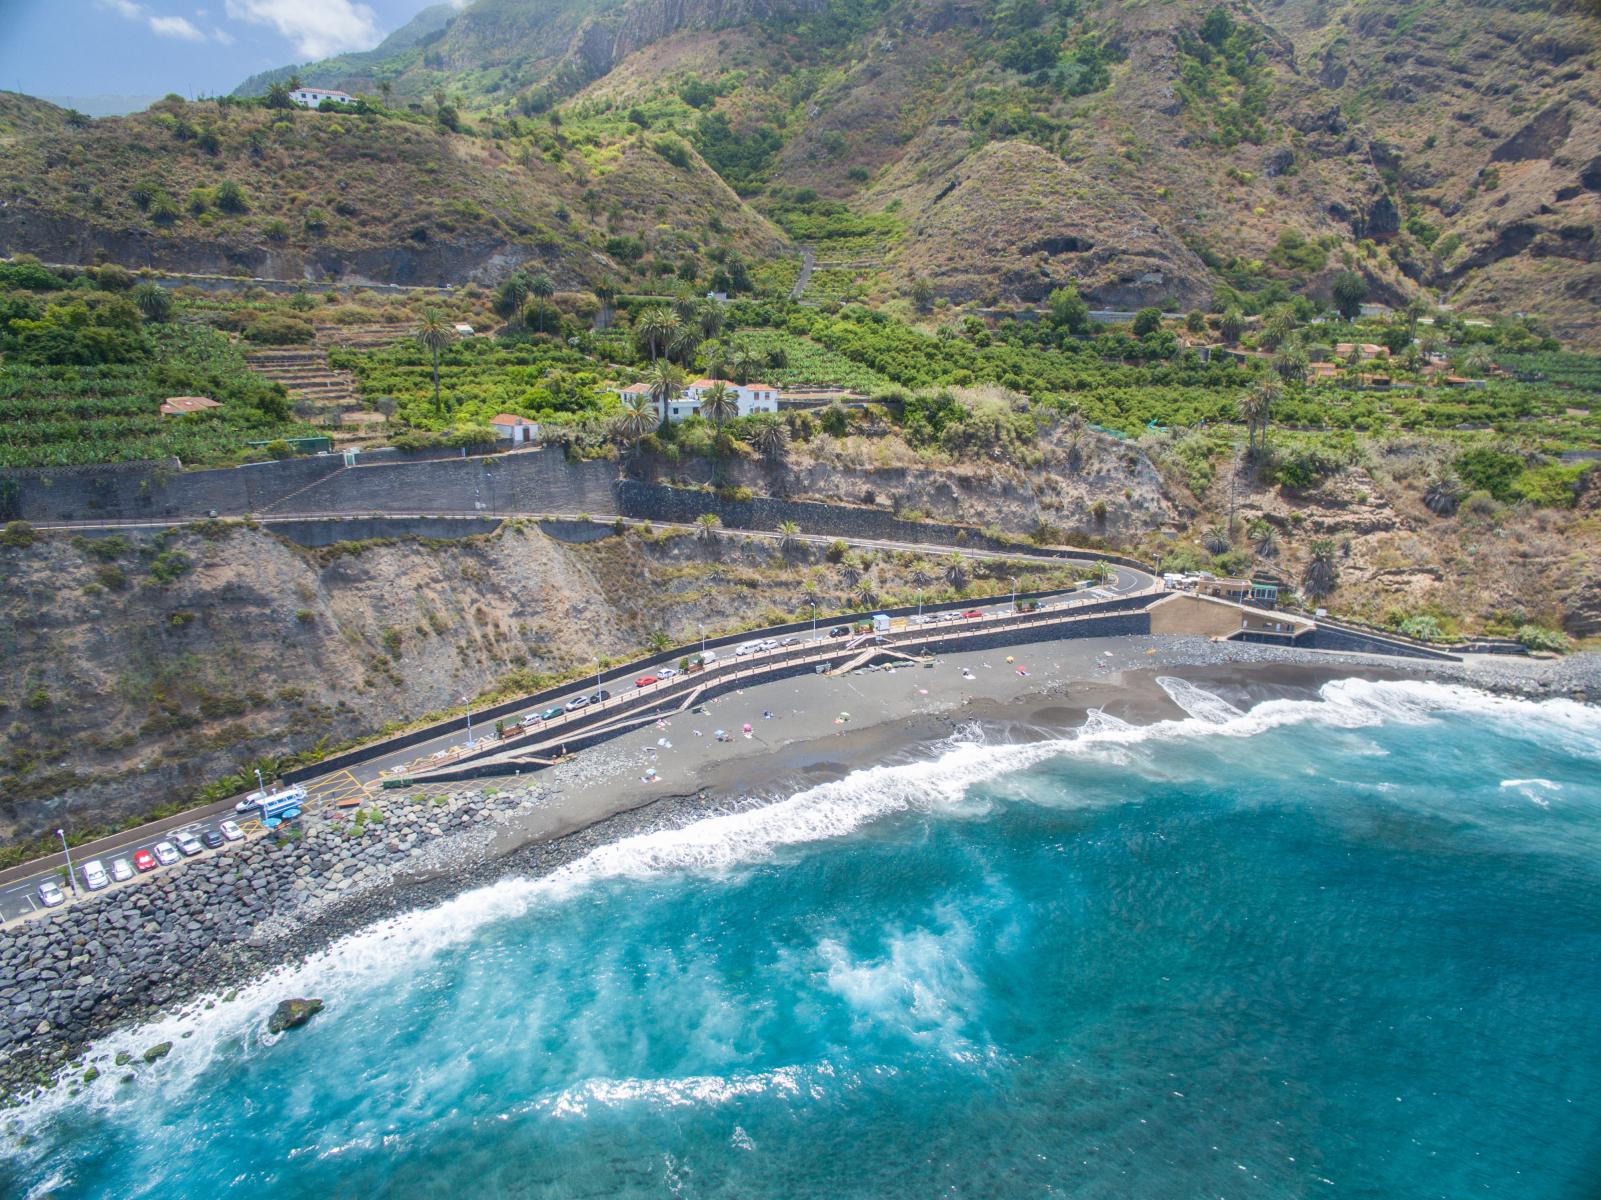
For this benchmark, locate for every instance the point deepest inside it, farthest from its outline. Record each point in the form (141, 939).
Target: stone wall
(658, 502)
(313, 532)
(536, 481)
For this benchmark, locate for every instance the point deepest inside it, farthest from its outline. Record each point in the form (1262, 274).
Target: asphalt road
(19, 887)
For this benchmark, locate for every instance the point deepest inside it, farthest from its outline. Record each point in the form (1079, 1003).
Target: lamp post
(464, 700)
(597, 679)
(71, 878)
(814, 620)
(261, 783)
(919, 608)
(703, 641)
(1014, 595)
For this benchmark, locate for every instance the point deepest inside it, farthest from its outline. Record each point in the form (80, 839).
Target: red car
(645, 681)
(972, 612)
(143, 860)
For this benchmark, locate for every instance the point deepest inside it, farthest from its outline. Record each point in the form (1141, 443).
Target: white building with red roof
(519, 431)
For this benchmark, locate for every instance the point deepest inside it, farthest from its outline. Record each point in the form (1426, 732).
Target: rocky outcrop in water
(292, 1014)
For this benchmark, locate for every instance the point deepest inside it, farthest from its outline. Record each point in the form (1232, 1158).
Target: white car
(166, 853)
(94, 875)
(188, 842)
(530, 720)
(666, 672)
(122, 870)
(231, 831)
(50, 893)
(744, 648)
(768, 644)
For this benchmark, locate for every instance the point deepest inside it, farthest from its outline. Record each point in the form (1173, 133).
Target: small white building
(519, 431)
(312, 97)
(748, 398)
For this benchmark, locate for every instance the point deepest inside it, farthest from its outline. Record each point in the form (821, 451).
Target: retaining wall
(314, 532)
(1326, 637)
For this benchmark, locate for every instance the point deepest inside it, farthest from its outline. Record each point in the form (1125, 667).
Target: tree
(719, 404)
(541, 289)
(434, 333)
(684, 342)
(605, 296)
(386, 89)
(1147, 320)
(512, 296)
(1277, 329)
(1348, 291)
(706, 526)
(771, 440)
(1195, 322)
(230, 197)
(922, 294)
(1256, 409)
(278, 96)
(1443, 493)
(637, 419)
(788, 535)
(711, 320)
(666, 380)
(655, 327)
(1214, 539)
(1230, 326)
(956, 571)
(1068, 309)
(154, 301)
(1291, 364)
(745, 362)
(1322, 573)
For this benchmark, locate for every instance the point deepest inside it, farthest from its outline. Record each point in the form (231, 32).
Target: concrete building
(519, 431)
(312, 97)
(748, 398)
(177, 406)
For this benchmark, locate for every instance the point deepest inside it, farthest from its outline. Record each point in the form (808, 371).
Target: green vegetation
(85, 372)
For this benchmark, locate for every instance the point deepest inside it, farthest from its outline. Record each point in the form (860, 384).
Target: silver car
(50, 893)
(166, 853)
(121, 870)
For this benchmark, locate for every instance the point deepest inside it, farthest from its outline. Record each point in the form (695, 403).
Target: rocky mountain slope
(1165, 153)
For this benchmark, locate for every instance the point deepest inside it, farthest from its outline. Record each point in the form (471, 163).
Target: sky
(147, 48)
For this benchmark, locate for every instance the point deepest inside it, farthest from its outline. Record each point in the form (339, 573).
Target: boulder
(159, 1050)
(291, 1014)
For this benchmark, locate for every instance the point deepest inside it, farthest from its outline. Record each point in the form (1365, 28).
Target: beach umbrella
(747, 726)
(1009, 658)
(717, 733)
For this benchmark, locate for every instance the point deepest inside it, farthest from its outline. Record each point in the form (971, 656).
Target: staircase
(319, 392)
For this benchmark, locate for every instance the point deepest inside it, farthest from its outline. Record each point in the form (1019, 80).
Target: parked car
(166, 853)
(143, 860)
(550, 714)
(744, 648)
(576, 703)
(122, 870)
(971, 613)
(187, 842)
(667, 673)
(840, 631)
(231, 831)
(531, 720)
(646, 680)
(603, 694)
(790, 641)
(50, 893)
(211, 838)
(94, 875)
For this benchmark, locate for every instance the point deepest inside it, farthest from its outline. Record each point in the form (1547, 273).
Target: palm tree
(684, 342)
(605, 296)
(719, 404)
(1264, 537)
(666, 380)
(541, 288)
(706, 526)
(1214, 539)
(788, 532)
(154, 301)
(745, 363)
(866, 591)
(685, 303)
(512, 296)
(771, 440)
(1321, 572)
(955, 571)
(637, 419)
(1443, 493)
(434, 333)
(711, 320)
(655, 327)
(1256, 407)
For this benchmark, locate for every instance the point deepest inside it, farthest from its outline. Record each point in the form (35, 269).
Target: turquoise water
(1346, 947)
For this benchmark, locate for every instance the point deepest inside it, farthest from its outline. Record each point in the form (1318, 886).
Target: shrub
(1422, 626)
(170, 565)
(18, 535)
(1487, 469)
(275, 330)
(230, 197)
(1537, 637)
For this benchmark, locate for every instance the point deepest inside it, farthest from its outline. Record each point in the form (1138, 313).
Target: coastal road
(19, 895)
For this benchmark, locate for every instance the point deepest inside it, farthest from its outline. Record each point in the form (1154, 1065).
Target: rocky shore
(142, 949)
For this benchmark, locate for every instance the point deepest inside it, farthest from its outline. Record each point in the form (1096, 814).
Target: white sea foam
(404, 944)
(1197, 701)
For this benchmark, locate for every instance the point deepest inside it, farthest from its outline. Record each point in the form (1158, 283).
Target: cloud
(317, 28)
(170, 27)
(176, 27)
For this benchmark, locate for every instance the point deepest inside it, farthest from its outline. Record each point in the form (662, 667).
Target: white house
(748, 398)
(520, 431)
(311, 97)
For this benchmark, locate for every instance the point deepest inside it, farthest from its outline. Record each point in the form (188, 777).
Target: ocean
(1344, 946)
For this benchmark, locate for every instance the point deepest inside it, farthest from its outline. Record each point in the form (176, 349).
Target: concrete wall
(1203, 616)
(1325, 637)
(529, 481)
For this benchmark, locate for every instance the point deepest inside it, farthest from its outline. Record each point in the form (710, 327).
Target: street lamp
(1014, 595)
(71, 878)
(597, 678)
(703, 641)
(261, 783)
(814, 620)
(464, 700)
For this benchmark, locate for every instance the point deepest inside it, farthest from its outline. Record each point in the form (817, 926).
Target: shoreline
(900, 715)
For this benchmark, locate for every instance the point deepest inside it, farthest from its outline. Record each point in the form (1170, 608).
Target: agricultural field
(85, 372)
